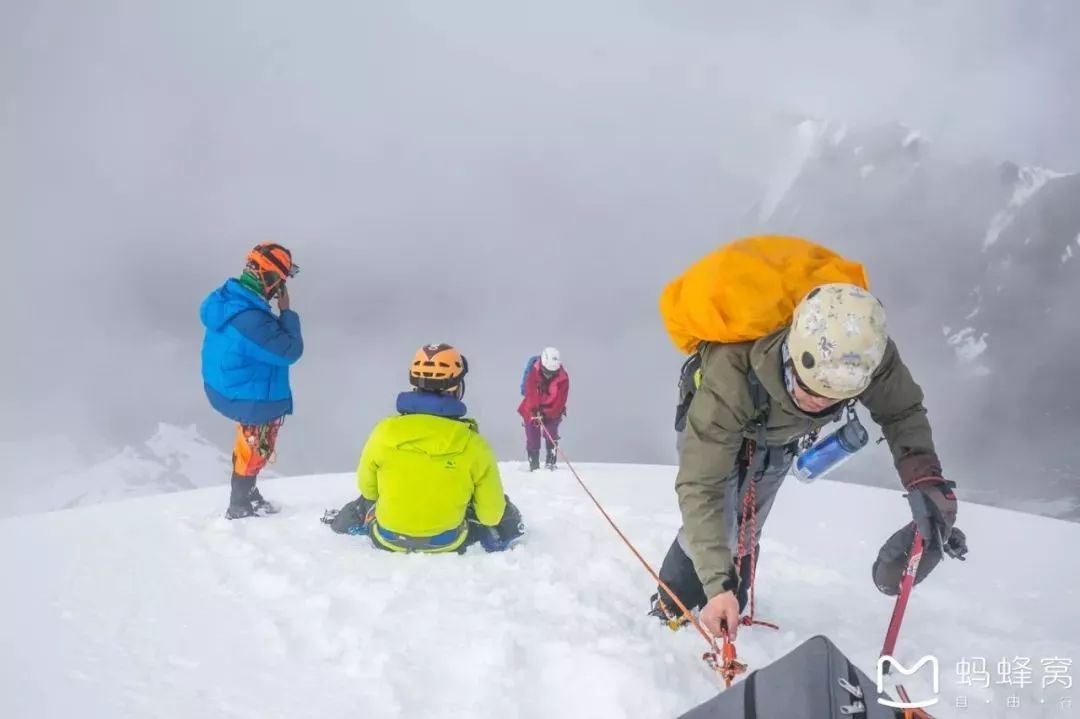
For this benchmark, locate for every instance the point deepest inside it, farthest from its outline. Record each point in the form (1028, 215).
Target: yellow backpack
(749, 288)
(741, 292)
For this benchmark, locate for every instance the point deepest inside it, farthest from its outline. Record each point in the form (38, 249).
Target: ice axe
(907, 583)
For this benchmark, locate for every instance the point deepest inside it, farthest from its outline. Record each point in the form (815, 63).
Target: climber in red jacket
(545, 387)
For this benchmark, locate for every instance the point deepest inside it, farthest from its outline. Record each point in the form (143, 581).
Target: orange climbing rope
(722, 660)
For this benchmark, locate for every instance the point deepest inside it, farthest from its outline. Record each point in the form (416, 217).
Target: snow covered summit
(158, 607)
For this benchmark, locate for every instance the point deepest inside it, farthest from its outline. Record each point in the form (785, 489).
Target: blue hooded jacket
(246, 354)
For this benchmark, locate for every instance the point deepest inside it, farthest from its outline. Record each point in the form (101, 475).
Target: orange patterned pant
(255, 446)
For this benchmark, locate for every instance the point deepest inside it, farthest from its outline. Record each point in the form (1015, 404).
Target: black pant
(679, 574)
(678, 571)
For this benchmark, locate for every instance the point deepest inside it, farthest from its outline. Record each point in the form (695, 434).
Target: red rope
(748, 516)
(748, 540)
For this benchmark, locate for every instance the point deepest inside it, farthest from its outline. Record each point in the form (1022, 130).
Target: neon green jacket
(423, 471)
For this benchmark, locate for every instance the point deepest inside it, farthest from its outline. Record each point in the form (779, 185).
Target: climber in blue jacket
(246, 354)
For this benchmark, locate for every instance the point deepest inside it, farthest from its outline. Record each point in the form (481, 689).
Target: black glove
(505, 534)
(956, 545)
(892, 561)
(933, 508)
(511, 525)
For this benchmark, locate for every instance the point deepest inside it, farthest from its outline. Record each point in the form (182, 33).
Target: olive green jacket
(719, 420)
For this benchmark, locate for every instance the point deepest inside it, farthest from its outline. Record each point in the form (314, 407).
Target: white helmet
(837, 340)
(550, 359)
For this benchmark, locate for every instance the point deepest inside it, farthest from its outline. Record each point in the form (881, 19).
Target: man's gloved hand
(956, 545)
(933, 508)
(511, 526)
(892, 559)
(538, 419)
(496, 539)
(507, 534)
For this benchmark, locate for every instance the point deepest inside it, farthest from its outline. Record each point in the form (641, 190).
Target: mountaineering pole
(907, 583)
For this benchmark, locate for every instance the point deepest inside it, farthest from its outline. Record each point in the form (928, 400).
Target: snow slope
(159, 607)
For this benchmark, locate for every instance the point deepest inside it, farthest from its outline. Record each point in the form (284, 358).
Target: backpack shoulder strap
(760, 396)
(757, 424)
(689, 380)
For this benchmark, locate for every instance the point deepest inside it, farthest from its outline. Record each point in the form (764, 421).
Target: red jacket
(548, 396)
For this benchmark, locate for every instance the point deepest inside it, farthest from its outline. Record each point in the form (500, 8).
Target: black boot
(669, 614)
(240, 498)
(549, 463)
(351, 519)
(260, 504)
(678, 573)
(534, 461)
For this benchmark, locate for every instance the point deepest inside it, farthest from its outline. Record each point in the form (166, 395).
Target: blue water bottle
(832, 451)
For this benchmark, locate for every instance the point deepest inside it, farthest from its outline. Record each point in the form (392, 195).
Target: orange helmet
(437, 368)
(272, 264)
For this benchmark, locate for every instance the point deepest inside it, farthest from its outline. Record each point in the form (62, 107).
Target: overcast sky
(499, 175)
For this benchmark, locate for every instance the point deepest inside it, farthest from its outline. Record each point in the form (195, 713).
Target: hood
(427, 434)
(226, 302)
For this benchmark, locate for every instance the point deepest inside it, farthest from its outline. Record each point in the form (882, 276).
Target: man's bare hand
(722, 611)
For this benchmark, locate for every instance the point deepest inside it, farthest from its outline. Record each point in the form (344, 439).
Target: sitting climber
(428, 480)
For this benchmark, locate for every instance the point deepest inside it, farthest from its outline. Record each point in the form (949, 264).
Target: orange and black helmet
(437, 368)
(272, 264)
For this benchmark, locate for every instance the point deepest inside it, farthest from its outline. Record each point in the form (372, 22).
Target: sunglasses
(802, 385)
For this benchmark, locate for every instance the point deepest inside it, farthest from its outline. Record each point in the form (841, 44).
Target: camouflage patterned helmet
(837, 340)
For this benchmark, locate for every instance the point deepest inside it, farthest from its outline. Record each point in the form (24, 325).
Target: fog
(501, 176)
